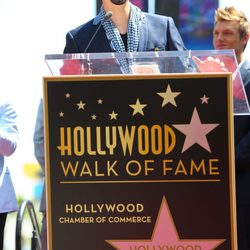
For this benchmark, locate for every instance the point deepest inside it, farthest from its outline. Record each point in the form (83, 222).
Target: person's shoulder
(157, 17)
(245, 75)
(245, 70)
(247, 65)
(85, 27)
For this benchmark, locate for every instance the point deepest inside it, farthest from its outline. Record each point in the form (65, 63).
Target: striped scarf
(133, 31)
(114, 36)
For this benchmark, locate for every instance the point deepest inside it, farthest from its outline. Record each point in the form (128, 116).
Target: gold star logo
(67, 95)
(113, 115)
(169, 96)
(81, 105)
(100, 101)
(138, 107)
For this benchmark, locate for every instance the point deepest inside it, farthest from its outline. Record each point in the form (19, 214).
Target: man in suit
(127, 30)
(232, 31)
(8, 143)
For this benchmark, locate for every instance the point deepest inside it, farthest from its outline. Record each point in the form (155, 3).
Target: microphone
(107, 16)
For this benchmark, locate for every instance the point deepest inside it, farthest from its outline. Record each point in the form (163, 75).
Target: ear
(246, 38)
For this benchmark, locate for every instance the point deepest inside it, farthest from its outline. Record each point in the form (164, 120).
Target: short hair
(232, 14)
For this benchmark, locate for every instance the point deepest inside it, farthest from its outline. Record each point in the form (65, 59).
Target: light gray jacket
(8, 143)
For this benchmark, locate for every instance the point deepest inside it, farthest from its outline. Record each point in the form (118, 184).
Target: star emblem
(138, 107)
(113, 115)
(81, 105)
(67, 95)
(195, 132)
(165, 236)
(168, 96)
(61, 114)
(93, 117)
(100, 101)
(204, 99)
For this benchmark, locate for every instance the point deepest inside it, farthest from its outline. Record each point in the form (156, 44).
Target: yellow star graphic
(81, 105)
(61, 114)
(113, 115)
(100, 101)
(93, 117)
(67, 95)
(169, 96)
(138, 107)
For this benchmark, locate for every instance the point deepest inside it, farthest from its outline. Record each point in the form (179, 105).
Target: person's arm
(8, 130)
(174, 39)
(38, 137)
(242, 149)
(70, 46)
(242, 153)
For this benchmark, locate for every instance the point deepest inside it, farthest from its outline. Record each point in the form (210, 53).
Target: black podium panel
(140, 162)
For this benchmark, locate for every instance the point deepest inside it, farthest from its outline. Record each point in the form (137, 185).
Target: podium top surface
(156, 62)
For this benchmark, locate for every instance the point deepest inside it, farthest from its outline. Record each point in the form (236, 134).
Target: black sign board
(140, 162)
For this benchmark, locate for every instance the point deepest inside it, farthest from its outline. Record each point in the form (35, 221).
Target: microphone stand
(107, 16)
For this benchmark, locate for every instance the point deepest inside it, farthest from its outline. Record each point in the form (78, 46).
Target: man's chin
(221, 47)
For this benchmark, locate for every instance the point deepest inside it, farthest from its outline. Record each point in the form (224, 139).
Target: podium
(140, 151)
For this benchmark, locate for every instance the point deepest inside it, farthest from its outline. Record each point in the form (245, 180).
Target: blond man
(232, 31)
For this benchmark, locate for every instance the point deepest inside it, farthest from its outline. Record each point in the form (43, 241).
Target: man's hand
(209, 65)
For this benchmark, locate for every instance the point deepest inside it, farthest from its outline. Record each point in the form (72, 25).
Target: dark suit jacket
(242, 145)
(157, 33)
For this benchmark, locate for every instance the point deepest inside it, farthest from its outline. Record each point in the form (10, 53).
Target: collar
(97, 19)
(241, 63)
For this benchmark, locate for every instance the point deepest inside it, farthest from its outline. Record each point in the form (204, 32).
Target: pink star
(165, 236)
(204, 99)
(195, 132)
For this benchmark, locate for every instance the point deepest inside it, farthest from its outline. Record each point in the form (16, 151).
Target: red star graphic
(165, 236)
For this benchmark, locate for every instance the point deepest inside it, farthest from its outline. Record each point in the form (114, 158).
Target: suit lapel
(244, 70)
(143, 35)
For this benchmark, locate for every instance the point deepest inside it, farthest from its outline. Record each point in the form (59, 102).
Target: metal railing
(36, 236)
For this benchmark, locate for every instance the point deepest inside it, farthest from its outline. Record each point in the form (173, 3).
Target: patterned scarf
(114, 36)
